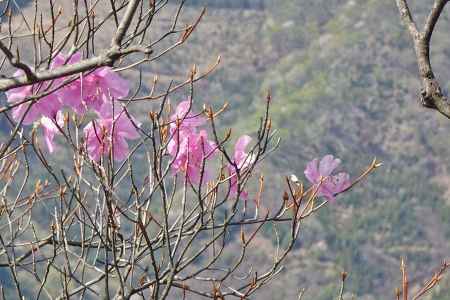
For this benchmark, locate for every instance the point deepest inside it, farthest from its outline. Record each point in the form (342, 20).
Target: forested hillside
(343, 79)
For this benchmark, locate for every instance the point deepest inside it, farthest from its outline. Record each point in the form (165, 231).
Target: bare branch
(406, 17)
(125, 23)
(106, 59)
(15, 62)
(433, 18)
(431, 93)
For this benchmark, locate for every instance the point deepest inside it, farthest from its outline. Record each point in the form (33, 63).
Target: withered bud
(269, 96)
(210, 113)
(152, 115)
(269, 124)
(62, 190)
(74, 118)
(38, 186)
(66, 118)
(285, 196)
(142, 280)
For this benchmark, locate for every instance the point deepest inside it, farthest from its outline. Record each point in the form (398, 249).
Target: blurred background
(344, 81)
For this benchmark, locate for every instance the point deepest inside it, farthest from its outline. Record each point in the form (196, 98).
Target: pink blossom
(101, 135)
(102, 85)
(92, 90)
(331, 185)
(189, 120)
(50, 129)
(242, 160)
(189, 147)
(45, 106)
(71, 93)
(190, 153)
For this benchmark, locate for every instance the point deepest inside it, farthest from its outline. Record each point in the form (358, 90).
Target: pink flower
(189, 120)
(242, 160)
(92, 90)
(50, 129)
(189, 148)
(45, 106)
(331, 184)
(102, 85)
(71, 93)
(192, 150)
(103, 134)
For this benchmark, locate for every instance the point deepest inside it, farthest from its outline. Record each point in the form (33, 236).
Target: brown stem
(431, 93)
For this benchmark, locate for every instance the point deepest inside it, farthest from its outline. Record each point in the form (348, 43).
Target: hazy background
(344, 81)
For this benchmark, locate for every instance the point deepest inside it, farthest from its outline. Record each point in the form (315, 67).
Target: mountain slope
(344, 81)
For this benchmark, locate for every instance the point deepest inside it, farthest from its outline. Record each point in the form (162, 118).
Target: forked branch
(431, 93)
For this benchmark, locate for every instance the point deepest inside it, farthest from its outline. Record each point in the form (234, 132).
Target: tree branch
(125, 23)
(15, 62)
(106, 59)
(431, 93)
(406, 17)
(433, 17)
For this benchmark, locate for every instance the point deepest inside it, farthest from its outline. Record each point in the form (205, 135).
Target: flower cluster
(319, 174)
(94, 91)
(190, 148)
(110, 134)
(189, 145)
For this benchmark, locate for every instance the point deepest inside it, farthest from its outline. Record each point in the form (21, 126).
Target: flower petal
(341, 182)
(125, 127)
(50, 129)
(328, 164)
(112, 83)
(188, 119)
(312, 171)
